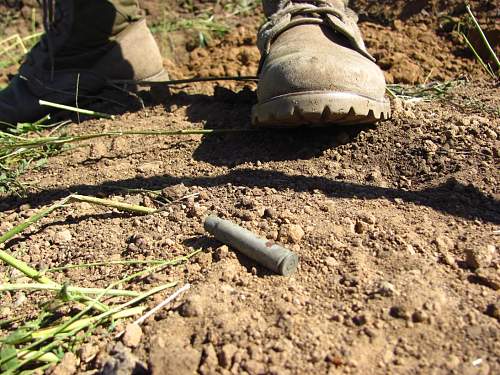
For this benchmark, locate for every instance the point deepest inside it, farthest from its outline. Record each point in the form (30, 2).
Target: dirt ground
(396, 225)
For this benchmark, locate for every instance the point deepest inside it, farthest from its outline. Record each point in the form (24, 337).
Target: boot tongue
(333, 14)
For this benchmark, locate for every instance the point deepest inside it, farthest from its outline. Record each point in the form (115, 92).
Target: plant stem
(483, 37)
(18, 264)
(71, 289)
(94, 320)
(110, 203)
(110, 263)
(76, 110)
(85, 322)
(479, 58)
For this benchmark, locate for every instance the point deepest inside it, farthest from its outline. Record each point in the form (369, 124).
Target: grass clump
(73, 313)
(204, 27)
(15, 161)
(26, 147)
(426, 91)
(464, 28)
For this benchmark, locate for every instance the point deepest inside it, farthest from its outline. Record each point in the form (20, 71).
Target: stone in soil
(226, 355)
(67, 366)
(479, 257)
(132, 336)
(292, 233)
(62, 236)
(121, 361)
(193, 307)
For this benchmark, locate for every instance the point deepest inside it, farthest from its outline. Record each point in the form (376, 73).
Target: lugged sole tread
(319, 109)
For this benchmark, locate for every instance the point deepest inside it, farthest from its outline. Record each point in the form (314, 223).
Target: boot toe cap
(294, 66)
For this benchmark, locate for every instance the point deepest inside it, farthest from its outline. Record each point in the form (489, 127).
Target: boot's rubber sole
(319, 108)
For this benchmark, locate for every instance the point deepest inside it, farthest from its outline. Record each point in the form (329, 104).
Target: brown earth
(399, 222)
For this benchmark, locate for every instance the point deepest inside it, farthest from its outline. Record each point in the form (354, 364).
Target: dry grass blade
(43, 340)
(426, 92)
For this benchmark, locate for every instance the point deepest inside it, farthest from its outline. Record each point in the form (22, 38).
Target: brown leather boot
(315, 69)
(87, 43)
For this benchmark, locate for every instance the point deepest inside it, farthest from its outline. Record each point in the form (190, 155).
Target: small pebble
(399, 312)
(192, 307)
(67, 366)
(132, 336)
(479, 257)
(226, 355)
(62, 236)
(291, 233)
(221, 253)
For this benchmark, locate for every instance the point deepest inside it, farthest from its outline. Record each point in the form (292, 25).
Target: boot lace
(333, 14)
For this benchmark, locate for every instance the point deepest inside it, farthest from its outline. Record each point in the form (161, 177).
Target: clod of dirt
(254, 367)
(88, 352)
(493, 310)
(171, 352)
(331, 262)
(175, 192)
(221, 253)
(479, 257)
(192, 307)
(386, 289)
(270, 213)
(448, 259)
(444, 243)
(226, 355)
(123, 362)
(149, 168)
(399, 312)
(204, 260)
(231, 270)
(419, 316)
(209, 361)
(132, 336)
(361, 227)
(62, 237)
(67, 366)
(196, 210)
(291, 233)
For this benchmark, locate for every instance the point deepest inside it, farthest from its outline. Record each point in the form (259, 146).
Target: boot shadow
(227, 109)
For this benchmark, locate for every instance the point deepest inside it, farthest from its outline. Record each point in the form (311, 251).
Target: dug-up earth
(396, 225)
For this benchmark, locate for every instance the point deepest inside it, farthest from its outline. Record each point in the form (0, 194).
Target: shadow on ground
(232, 110)
(452, 197)
(226, 110)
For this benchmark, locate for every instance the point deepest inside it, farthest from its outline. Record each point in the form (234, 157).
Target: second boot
(87, 44)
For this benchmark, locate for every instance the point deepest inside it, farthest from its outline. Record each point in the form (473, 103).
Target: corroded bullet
(265, 252)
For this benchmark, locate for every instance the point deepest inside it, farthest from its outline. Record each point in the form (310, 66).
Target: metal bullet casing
(263, 251)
